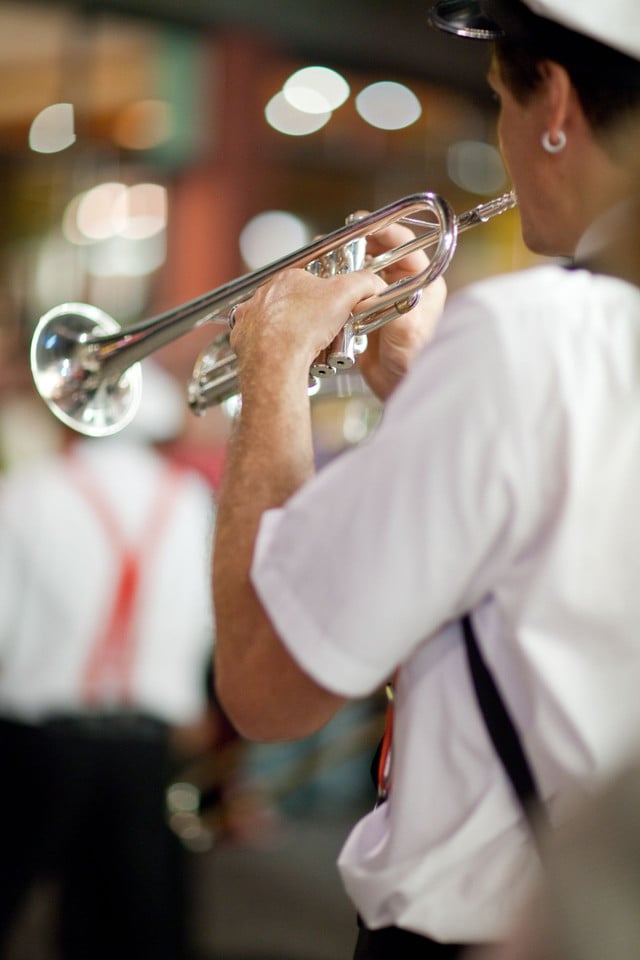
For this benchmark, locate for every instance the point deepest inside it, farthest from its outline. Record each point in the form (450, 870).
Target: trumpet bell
(76, 389)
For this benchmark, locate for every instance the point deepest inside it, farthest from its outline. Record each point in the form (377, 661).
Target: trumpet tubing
(86, 368)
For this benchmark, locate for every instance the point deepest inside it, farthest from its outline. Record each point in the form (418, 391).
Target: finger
(387, 237)
(390, 238)
(393, 235)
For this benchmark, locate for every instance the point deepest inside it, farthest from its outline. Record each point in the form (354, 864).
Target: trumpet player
(481, 549)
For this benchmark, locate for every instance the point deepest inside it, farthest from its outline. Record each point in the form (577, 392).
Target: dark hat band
(487, 19)
(464, 18)
(514, 20)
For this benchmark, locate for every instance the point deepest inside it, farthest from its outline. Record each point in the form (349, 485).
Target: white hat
(160, 416)
(615, 23)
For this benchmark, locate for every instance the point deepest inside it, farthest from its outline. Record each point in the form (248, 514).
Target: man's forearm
(276, 336)
(270, 457)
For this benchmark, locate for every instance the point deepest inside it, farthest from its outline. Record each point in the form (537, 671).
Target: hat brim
(464, 18)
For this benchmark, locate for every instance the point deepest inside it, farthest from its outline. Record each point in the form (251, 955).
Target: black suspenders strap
(503, 733)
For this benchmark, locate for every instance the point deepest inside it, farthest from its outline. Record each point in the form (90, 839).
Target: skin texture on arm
(277, 335)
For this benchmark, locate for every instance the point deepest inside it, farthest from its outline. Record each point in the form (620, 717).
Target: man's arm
(262, 689)
(277, 335)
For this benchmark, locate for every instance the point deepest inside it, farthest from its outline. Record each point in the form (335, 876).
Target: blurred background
(150, 152)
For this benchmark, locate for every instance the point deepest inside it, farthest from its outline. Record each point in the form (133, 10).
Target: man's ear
(559, 97)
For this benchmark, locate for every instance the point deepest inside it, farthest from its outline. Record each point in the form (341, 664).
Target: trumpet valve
(341, 354)
(344, 259)
(345, 348)
(321, 367)
(214, 378)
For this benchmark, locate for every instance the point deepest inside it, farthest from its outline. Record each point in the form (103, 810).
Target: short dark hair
(607, 82)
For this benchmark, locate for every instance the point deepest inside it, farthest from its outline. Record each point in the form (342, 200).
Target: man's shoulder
(534, 286)
(548, 304)
(543, 288)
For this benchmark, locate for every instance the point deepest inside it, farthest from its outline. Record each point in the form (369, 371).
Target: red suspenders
(384, 757)
(109, 667)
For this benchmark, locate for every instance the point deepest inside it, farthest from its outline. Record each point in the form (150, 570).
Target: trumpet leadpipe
(479, 214)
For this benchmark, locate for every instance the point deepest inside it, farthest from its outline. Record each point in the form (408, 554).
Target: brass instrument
(86, 368)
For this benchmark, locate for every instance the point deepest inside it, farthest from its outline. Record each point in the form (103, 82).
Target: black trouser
(392, 943)
(119, 865)
(25, 805)
(87, 807)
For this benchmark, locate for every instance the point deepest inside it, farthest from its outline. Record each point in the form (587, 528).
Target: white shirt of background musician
(59, 569)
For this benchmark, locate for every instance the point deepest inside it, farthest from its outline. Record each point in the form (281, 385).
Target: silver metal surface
(85, 367)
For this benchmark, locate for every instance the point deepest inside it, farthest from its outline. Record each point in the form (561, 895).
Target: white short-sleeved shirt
(504, 479)
(59, 565)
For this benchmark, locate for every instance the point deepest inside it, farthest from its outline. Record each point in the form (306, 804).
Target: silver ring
(231, 319)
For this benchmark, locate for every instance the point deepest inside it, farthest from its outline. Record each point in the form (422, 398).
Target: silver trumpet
(86, 367)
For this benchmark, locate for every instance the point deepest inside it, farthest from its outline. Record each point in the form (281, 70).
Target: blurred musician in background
(106, 633)
(493, 517)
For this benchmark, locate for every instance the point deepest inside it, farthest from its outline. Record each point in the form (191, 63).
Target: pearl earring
(554, 146)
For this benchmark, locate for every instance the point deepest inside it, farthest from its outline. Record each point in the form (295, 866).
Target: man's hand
(393, 348)
(292, 319)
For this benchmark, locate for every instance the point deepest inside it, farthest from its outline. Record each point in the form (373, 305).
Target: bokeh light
(143, 125)
(271, 235)
(388, 105)
(53, 129)
(287, 119)
(316, 89)
(476, 166)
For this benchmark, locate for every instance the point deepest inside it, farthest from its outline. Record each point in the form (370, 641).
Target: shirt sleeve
(400, 535)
